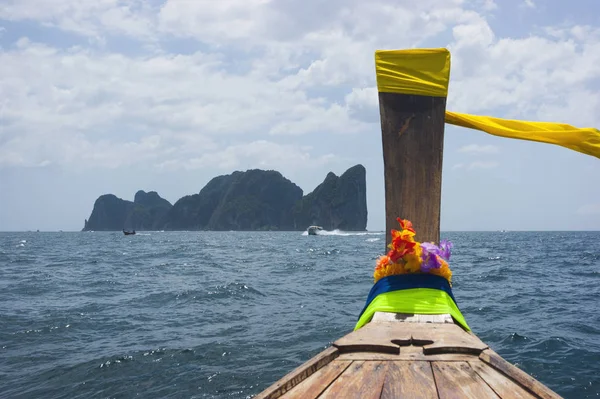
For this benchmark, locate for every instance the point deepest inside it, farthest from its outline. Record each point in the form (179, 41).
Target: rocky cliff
(149, 211)
(337, 203)
(251, 200)
(146, 212)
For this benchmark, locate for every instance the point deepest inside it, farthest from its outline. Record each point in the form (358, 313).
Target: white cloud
(531, 78)
(94, 19)
(479, 149)
(476, 165)
(103, 101)
(266, 69)
(363, 104)
(482, 165)
(261, 153)
(199, 87)
(489, 5)
(529, 3)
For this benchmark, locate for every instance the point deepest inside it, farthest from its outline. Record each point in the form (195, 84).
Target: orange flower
(404, 234)
(382, 261)
(403, 245)
(405, 224)
(405, 256)
(394, 256)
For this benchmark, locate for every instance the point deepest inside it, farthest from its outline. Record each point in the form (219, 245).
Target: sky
(112, 96)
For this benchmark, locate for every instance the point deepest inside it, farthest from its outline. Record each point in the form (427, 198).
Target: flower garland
(409, 256)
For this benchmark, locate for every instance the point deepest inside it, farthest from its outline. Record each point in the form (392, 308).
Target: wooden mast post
(412, 127)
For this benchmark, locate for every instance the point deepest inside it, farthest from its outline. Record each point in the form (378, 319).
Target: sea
(226, 314)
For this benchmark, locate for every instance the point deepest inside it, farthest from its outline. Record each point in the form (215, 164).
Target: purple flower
(430, 247)
(446, 249)
(431, 254)
(429, 257)
(431, 262)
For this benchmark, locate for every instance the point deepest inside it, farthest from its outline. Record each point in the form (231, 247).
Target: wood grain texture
(362, 380)
(531, 384)
(501, 384)
(315, 384)
(298, 375)
(459, 380)
(388, 337)
(409, 380)
(407, 356)
(449, 338)
(375, 337)
(412, 129)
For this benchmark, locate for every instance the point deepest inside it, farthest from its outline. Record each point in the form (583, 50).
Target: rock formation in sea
(337, 203)
(146, 212)
(149, 211)
(251, 200)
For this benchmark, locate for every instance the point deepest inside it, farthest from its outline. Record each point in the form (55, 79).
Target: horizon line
(293, 231)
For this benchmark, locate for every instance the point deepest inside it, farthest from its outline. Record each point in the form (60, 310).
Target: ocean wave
(220, 314)
(342, 233)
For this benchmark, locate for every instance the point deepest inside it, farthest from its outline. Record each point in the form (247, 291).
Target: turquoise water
(224, 315)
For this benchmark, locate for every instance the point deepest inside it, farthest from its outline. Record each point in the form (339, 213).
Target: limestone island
(251, 200)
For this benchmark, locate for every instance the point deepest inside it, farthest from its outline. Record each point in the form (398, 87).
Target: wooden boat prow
(408, 356)
(399, 355)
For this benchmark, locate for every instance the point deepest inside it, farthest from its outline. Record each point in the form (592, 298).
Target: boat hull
(313, 230)
(407, 357)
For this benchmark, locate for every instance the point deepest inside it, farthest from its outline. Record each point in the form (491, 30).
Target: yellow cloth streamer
(585, 140)
(426, 72)
(423, 72)
(415, 301)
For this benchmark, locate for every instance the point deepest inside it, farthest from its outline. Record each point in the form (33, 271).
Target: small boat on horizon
(313, 230)
(128, 233)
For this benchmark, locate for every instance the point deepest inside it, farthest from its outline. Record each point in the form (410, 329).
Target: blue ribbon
(406, 282)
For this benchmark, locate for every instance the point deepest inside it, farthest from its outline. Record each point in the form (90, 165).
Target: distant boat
(312, 230)
(128, 233)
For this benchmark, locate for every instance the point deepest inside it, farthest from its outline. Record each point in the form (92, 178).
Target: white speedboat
(313, 230)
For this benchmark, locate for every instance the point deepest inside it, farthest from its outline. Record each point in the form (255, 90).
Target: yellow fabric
(416, 301)
(423, 72)
(426, 72)
(585, 140)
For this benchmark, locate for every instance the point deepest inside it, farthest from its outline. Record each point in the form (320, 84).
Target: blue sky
(113, 96)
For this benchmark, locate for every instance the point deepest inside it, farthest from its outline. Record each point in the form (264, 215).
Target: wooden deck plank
(449, 357)
(362, 380)
(375, 337)
(531, 384)
(409, 380)
(315, 384)
(387, 337)
(459, 380)
(298, 375)
(504, 387)
(449, 338)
